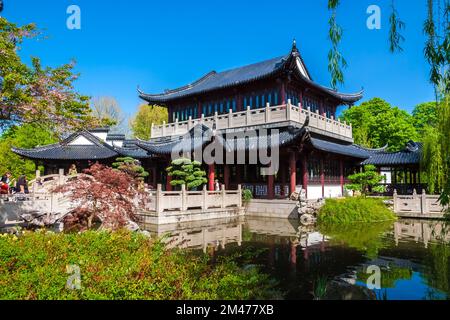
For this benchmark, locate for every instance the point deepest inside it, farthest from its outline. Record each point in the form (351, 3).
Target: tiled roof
(409, 156)
(98, 150)
(260, 140)
(195, 139)
(215, 81)
(351, 150)
(67, 152)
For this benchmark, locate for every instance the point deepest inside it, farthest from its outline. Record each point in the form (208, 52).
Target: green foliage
(389, 275)
(26, 136)
(186, 172)
(396, 25)
(141, 124)
(377, 124)
(247, 196)
(425, 116)
(131, 166)
(364, 237)
(117, 266)
(366, 181)
(354, 209)
(37, 94)
(336, 61)
(436, 152)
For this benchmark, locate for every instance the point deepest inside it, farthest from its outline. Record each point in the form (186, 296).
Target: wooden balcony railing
(251, 117)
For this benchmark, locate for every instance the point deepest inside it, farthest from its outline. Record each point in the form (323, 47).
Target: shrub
(117, 265)
(349, 210)
(186, 172)
(247, 196)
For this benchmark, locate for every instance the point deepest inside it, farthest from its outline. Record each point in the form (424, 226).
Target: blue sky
(166, 44)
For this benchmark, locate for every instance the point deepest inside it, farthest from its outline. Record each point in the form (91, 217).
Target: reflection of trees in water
(437, 267)
(364, 237)
(389, 275)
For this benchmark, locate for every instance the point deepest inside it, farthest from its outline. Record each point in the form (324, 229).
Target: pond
(411, 257)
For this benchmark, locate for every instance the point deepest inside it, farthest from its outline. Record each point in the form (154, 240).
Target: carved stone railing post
(176, 125)
(164, 129)
(267, 112)
(223, 193)
(202, 119)
(240, 196)
(205, 198)
(248, 118)
(216, 120)
(288, 110)
(230, 118)
(158, 199)
(190, 123)
(395, 201)
(183, 198)
(61, 177)
(423, 202)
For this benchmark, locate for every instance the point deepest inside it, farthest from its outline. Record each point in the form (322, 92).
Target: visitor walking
(22, 184)
(4, 183)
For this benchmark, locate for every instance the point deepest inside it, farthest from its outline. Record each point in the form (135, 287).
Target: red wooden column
(154, 177)
(211, 177)
(305, 175)
(341, 169)
(293, 174)
(168, 185)
(283, 93)
(322, 177)
(226, 176)
(270, 187)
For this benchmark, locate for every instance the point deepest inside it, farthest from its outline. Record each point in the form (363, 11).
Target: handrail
(270, 114)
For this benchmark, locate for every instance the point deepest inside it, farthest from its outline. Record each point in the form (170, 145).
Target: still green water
(316, 262)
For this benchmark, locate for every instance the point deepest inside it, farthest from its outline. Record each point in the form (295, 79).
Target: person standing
(22, 184)
(4, 183)
(73, 170)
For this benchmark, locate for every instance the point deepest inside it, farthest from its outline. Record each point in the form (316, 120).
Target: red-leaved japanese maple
(101, 194)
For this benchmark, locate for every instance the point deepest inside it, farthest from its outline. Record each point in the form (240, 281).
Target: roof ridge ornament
(294, 45)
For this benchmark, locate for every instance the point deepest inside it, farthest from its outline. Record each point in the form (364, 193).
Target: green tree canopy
(425, 115)
(37, 94)
(376, 124)
(26, 136)
(131, 166)
(186, 172)
(366, 181)
(141, 124)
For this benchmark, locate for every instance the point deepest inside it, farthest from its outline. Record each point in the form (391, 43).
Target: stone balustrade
(251, 117)
(418, 205)
(180, 202)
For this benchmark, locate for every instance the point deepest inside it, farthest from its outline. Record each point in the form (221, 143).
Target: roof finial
(294, 45)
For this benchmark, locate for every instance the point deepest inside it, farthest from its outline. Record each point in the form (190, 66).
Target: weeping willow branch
(336, 62)
(437, 49)
(396, 25)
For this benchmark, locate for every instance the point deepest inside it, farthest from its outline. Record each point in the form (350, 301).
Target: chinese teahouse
(241, 112)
